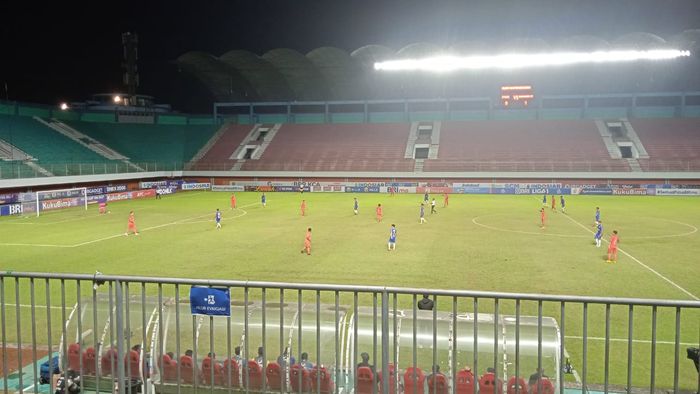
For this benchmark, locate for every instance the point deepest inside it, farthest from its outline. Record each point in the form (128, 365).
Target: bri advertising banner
(210, 301)
(11, 209)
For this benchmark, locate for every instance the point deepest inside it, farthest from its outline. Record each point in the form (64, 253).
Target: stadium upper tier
(33, 146)
(148, 142)
(330, 73)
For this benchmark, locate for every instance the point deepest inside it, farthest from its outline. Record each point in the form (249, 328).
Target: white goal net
(50, 200)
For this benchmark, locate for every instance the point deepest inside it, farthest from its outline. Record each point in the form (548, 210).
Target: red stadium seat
(89, 359)
(207, 366)
(408, 384)
(392, 379)
(131, 362)
(232, 369)
(108, 362)
(255, 374)
(546, 387)
(74, 357)
(488, 384)
(437, 384)
(326, 386)
(299, 379)
(275, 376)
(465, 381)
(365, 381)
(187, 370)
(520, 383)
(168, 369)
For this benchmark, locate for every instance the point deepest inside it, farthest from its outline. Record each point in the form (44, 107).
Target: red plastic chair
(207, 365)
(488, 384)
(232, 369)
(547, 387)
(74, 357)
(131, 362)
(437, 384)
(392, 379)
(365, 381)
(274, 376)
(326, 385)
(409, 387)
(108, 362)
(169, 369)
(520, 383)
(187, 370)
(297, 373)
(89, 358)
(465, 381)
(256, 376)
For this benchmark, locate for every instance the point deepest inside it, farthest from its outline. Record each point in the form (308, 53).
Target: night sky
(67, 50)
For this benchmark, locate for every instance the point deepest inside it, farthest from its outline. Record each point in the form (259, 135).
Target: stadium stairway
(87, 141)
(261, 135)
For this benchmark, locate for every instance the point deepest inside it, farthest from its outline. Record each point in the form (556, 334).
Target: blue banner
(210, 301)
(9, 198)
(11, 209)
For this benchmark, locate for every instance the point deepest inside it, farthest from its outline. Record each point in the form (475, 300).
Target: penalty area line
(640, 263)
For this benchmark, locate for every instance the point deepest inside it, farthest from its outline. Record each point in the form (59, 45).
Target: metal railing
(482, 341)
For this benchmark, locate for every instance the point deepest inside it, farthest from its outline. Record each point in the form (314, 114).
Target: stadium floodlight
(117, 99)
(449, 63)
(64, 106)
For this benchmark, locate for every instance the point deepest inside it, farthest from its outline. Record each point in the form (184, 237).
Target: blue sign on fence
(210, 301)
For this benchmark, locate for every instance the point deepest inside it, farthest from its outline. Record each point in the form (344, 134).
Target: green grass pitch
(491, 243)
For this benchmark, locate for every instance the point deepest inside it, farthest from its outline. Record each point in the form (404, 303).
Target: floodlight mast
(448, 63)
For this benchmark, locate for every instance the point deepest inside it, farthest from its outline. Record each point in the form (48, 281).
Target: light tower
(130, 43)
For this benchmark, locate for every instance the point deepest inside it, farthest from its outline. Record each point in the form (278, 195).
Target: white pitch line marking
(633, 341)
(520, 231)
(37, 306)
(640, 263)
(182, 221)
(40, 245)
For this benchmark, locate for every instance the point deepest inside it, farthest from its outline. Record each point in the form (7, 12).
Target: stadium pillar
(385, 342)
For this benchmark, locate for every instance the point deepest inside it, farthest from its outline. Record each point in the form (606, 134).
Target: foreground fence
(139, 334)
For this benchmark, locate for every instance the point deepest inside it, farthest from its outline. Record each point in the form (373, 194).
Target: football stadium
(376, 199)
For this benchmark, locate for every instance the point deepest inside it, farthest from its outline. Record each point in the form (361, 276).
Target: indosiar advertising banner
(11, 209)
(362, 189)
(196, 186)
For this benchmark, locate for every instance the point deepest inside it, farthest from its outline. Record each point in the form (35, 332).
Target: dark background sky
(64, 50)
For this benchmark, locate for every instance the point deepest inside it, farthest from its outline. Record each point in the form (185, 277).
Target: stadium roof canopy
(330, 73)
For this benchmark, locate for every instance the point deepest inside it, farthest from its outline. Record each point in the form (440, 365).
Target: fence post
(386, 375)
(122, 385)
